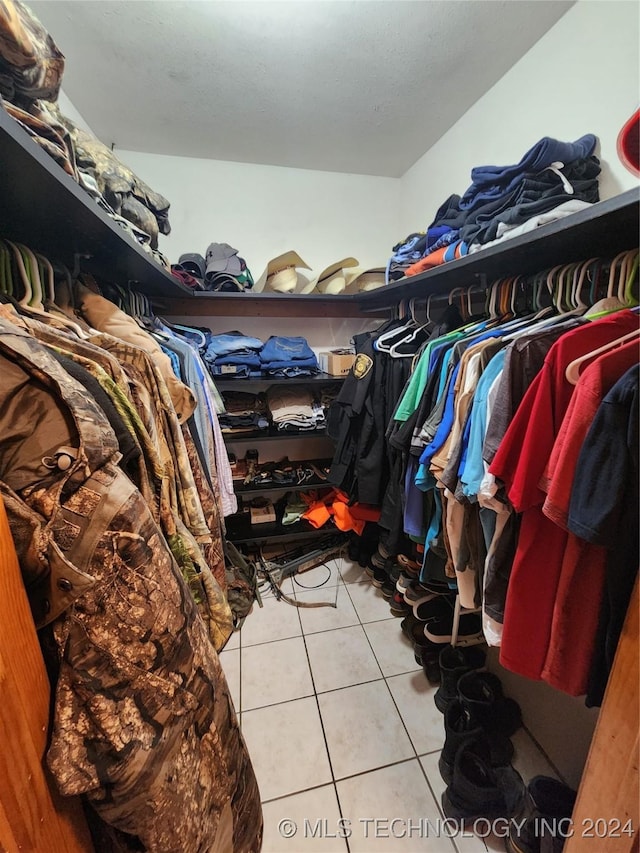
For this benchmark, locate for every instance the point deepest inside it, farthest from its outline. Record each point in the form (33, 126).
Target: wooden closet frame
(44, 208)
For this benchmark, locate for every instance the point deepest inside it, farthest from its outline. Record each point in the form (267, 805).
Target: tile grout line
(416, 755)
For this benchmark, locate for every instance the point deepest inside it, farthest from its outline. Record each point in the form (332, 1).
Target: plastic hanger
(621, 275)
(49, 277)
(384, 341)
(630, 298)
(24, 278)
(36, 300)
(414, 334)
(573, 370)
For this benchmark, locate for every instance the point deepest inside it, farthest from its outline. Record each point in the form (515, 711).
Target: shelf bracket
(77, 257)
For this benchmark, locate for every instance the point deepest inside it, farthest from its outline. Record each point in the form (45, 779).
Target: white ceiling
(365, 86)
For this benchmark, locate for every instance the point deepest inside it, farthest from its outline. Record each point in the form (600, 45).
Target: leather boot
(547, 810)
(459, 731)
(484, 702)
(454, 663)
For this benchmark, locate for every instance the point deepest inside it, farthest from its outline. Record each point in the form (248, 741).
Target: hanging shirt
(520, 463)
(604, 510)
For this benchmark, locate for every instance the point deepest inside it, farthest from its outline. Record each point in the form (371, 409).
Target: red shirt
(595, 382)
(520, 463)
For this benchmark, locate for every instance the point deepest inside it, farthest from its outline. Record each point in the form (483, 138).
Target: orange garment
(433, 260)
(336, 504)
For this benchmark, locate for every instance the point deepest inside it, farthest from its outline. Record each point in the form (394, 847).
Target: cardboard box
(336, 362)
(262, 514)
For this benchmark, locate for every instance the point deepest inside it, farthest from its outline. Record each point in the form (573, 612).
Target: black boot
(479, 790)
(484, 702)
(547, 812)
(454, 663)
(459, 731)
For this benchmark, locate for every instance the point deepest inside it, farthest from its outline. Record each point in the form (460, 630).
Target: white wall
(68, 109)
(265, 210)
(581, 77)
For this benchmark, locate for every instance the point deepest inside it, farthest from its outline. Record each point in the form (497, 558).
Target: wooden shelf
(241, 532)
(272, 434)
(241, 383)
(603, 230)
(45, 209)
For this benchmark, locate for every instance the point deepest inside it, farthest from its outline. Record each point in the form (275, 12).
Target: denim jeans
(230, 343)
(279, 349)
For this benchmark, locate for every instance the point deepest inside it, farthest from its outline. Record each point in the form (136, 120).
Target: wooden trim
(33, 816)
(609, 788)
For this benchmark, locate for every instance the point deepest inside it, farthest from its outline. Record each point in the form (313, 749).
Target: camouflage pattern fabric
(199, 560)
(143, 724)
(213, 551)
(120, 187)
(54, 138)
(31, 66)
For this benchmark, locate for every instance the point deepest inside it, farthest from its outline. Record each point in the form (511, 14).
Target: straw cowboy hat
(331, 279)
(359, 280)
(281, 273)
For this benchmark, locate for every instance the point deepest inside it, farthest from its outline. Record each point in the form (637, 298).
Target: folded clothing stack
(244, 412)
(282, 356)
(233, 354)
(294, 409)
(552, 180)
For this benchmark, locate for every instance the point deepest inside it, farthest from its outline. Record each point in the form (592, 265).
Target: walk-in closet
(319, 478)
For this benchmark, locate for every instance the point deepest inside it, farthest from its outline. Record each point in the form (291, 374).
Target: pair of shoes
(479, 789)
(546, 800)
(441, 630)
(481, 713)
(454, 663)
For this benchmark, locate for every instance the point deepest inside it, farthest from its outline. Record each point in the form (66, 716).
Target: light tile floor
(341, 725)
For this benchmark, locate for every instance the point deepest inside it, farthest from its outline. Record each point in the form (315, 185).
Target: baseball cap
(221, 257)
(194, 264)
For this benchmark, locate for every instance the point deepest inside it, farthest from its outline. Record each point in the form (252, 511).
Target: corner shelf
(47, 210)
(44, 208)
(602, 230)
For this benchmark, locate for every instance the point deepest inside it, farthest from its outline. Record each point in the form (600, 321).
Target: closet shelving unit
(45, 208)
(239, 530)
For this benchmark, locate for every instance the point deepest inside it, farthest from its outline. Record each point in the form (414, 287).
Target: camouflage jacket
(143, 724)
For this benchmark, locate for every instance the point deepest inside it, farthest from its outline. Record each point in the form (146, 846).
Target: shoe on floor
(419, 590)
(469, 629)
(377, 574)
(437, 605)
(408, 565)
(459, 730)
(479, 790)
(454, 663)
(546, 799)
(484, 702)
(429, 662)
(388, 589)
(405, 582)
(398, 606)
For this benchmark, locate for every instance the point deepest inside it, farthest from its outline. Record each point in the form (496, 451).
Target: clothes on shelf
(479, 461)
(294, 409)
(285, 356)
(234, 354)
(243, 413)
(552, 180)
